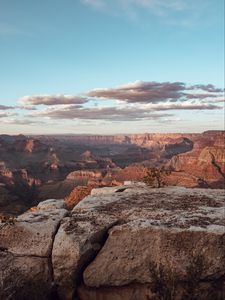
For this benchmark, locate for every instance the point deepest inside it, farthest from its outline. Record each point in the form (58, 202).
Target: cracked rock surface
(106, 248)
(25, 252)
(170, 227)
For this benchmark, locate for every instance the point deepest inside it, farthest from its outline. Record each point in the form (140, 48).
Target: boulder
(119, 237)
(119, 243)
(25, 251)
(77, 242)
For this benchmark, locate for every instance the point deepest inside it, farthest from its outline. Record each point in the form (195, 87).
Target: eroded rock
(120, 243)
(77, 242)
(25, 251)
(175, 228)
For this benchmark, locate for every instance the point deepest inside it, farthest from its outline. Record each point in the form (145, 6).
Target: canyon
(36, 168)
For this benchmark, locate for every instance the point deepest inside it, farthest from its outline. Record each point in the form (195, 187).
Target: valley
(36, 168)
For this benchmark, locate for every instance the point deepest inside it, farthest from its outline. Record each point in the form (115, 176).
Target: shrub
(155, 177)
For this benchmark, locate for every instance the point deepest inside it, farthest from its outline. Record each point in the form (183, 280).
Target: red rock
(78, 194)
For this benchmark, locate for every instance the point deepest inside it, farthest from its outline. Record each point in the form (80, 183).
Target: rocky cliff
(129, 242)
(35, 168)
(207, 164)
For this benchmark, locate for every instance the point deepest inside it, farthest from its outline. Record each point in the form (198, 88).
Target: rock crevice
(121, 243)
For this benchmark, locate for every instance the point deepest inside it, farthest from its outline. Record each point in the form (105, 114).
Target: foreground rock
(25, 252)
(179, 230)
(128, 242)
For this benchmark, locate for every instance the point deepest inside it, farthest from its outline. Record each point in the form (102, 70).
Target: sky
(111, 66)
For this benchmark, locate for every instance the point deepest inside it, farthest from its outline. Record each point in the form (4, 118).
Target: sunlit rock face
(207, 164)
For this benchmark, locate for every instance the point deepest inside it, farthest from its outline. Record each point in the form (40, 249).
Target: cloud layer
(7, 114)
(51, 100)
(105, 113)
(6, 107)
(132, 102)
(154, 92)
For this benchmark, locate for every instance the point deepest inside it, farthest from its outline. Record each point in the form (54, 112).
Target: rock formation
(25, 252)
(207, 165)
(77, 194)
(128, 242)
(35, 168)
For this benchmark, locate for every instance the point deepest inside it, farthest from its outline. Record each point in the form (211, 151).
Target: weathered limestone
(116, 242)
(131, 248)
(167, 226)
(25, 250)
(78, 240)
(172, 227)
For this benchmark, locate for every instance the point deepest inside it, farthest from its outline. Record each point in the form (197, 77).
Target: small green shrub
(156, 177)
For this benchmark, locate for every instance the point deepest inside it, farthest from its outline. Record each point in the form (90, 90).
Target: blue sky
(55, 53)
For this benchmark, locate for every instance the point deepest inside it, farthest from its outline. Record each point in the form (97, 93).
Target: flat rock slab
(136, 226)
(176, 207)
(168, 226)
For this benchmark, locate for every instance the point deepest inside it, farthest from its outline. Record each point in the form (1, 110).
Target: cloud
(208, 87)
(183, 106)
(104, 113)
(99, 4)
(158, 7)
(117, 113)
(182, 13)
(7, 114)
(14, 121)
(51, 100)
(135, 101)
(216, 100)
(3, 115)
(5, 107)
(154, 92)
(26, 107)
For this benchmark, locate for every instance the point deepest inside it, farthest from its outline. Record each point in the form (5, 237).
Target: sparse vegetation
(156, 177)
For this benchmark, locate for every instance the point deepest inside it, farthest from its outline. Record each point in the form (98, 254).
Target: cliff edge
(128, 242)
